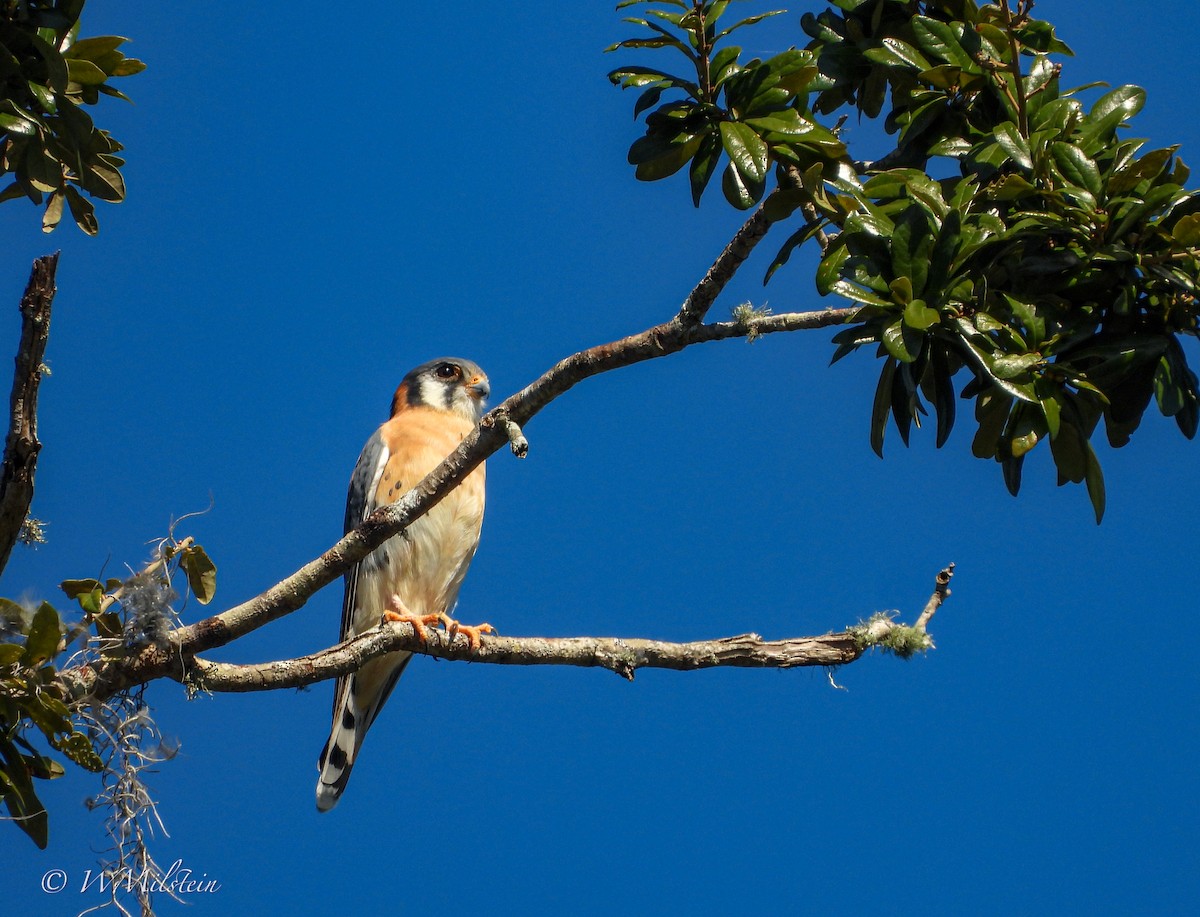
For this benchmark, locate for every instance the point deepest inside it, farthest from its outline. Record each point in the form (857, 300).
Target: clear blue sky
(316, 204)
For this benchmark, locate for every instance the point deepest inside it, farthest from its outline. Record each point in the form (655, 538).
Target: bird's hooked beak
(479, 388)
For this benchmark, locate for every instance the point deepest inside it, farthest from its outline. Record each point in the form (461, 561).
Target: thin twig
(1018, 90)
(941, 592)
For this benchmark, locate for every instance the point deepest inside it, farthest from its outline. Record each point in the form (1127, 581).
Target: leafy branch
(1055, 268)
(48, 142)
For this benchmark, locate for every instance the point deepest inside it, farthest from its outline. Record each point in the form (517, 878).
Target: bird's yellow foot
(471, 632)
(418, 622)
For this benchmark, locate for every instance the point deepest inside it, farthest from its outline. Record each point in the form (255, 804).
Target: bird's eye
(448, 371)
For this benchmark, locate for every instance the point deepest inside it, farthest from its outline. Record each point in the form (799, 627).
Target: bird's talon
(418, 622)
(474, 633)
(471, 632)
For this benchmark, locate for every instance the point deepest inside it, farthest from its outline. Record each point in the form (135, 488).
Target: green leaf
(857, 294)
(991, 413)
(44, 768)
(201, 573)
(1187, 231)
(746, 150)
(108, 625)
(940, 39)
(913, 240)
(104, 182)
(10, 653)
(74, 588)
(737, 191)
(1016, 146)
(1048, 398)
(943, 395)
(668, 163)
(635, 77)
(1077, 167)
(17, 125)
(83, 211)
(1010, 366)
(19, 795)
(77, 747)
(882, 406)
(896, 53)
(750, 20)
(661, 42)
(920, 316)
(724, 64)
(648, 99)
(45, 632)
(1095, 482)
(1038, 35)
(45, 98)
(901, 341)
(1025, 432)
(1011, 466)
(1068, 451)
(85, 72)
(54, 210)
(92, 48)
(787, 123)
(704, 163)
(1109, 111)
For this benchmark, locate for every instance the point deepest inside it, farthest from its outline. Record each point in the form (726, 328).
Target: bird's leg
(472, 633)
(418, 622)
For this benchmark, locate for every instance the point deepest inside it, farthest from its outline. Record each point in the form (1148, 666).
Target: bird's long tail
(351, 720)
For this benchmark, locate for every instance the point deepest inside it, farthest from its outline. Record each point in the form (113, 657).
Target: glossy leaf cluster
(1013, 237)
(752, 115)
(48, 142)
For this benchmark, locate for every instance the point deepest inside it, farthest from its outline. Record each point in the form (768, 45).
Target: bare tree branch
(621, 655)
(493, 433)
(705, 293)
(21, 448)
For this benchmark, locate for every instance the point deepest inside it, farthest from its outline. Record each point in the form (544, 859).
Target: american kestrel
(416, 575)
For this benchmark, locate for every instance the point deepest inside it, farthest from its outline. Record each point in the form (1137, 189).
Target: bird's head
(447, 384)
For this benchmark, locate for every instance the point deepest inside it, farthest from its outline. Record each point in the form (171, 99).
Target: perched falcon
(416, 575)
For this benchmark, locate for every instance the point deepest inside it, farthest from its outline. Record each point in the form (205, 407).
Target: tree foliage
(117, 618)
(48, 141)
(1013, 238)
